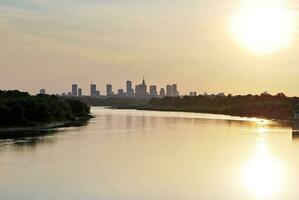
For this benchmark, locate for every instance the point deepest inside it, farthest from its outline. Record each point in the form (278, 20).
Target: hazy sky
(52, 43)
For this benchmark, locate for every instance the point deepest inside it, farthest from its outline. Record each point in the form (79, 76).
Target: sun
(263, 26)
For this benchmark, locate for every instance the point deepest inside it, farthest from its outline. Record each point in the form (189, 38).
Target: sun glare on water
(263, 26)
(263, 175)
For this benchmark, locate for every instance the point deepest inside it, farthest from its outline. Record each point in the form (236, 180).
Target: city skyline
(57, 43)
(102, 88)
(149, 99)
(141, 90)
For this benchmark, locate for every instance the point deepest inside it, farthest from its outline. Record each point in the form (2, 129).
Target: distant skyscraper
(130, 91)
(74, 90)
(168, 90)
(141, 90)
(42, 91)
(93, 90)
(109, 90)
(153, 91)
(120, 92)
(80, 92)
(174, 90)
(162, 92)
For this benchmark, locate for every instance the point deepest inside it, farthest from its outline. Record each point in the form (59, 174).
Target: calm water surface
(147, 155)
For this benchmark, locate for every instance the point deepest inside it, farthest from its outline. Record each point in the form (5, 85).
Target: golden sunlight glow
(263, 26)
(263, 130)
(263, 175)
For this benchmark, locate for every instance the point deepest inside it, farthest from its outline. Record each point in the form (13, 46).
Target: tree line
(20, 108)
(262, 106)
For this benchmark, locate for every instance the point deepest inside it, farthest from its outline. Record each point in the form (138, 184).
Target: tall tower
(80, 92)
(174, 90)
(74, 90)
(153, 91)
(93, 90)
(168, 90)
(141, 90)
(162, 92)
(130, 91)
(109, 90)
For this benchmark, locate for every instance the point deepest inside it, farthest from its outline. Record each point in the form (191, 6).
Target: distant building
(69, 94)
(80, 92)
(109, 90)
(93, 90)
(168, 90)
(141, 90)
(153, 91)
(162, 92)
(63, 94)
(130, 91)
(74, 90)
(193, 94)
(221, 94)
(42, 91)
(172, 90)
(120, 92)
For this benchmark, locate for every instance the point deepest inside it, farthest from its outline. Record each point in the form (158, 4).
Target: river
(150, 155)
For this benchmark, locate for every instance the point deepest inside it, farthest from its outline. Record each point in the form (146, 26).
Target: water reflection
(33, 138)
(27, 134)
(133, 155)
(295, 131)
(129, 122)
(263, 175)
(28, 139)
(295, 136)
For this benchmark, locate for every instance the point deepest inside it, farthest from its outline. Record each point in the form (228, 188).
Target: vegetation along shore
(19, 111)
(276, 107)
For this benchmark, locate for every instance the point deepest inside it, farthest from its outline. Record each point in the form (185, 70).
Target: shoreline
(19, 131)
(290, 121)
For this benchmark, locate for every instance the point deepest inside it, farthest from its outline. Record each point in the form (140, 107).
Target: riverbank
(126, 144)
(22, 131)
(22, 112)
(269, 107)
(144, 108)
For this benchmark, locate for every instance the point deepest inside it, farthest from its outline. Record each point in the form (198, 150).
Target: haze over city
(200, 45)
(149, 99)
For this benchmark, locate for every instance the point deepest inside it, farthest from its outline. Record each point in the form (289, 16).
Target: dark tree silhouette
(20, 108)
(263, 106)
